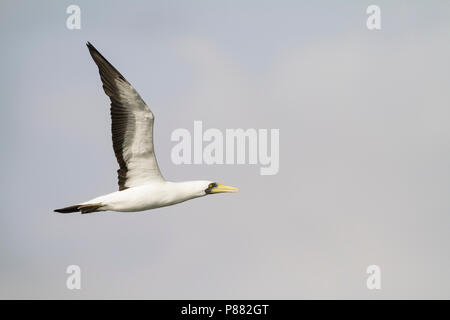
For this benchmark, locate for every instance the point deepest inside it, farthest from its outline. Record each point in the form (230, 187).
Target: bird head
(214, 187)
(200, 188)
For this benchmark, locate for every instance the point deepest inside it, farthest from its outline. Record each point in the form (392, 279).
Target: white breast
(146, 197)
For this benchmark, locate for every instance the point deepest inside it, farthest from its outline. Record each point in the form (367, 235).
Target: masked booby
(141, 184)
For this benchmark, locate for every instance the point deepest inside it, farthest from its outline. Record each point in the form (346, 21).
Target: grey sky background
(364, 149)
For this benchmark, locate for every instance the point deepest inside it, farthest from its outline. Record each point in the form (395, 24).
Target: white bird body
(141, 184)
(150, 196)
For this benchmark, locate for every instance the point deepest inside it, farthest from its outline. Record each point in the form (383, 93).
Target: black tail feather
(84, 208)
(69, 209)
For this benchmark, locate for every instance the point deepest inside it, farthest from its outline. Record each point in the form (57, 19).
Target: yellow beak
(223, 188)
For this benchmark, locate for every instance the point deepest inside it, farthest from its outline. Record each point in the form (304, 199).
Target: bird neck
(188, 189)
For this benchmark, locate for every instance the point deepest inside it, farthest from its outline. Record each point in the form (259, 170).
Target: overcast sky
(364, 149)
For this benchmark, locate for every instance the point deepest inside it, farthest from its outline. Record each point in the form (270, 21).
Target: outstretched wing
(132, 127)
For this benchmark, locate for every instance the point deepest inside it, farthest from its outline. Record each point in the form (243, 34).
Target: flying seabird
(141, 184)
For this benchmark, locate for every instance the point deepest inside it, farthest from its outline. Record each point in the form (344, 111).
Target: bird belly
(131, 203)
(137, 199)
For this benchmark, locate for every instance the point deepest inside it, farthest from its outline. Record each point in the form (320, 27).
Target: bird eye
(210, 185)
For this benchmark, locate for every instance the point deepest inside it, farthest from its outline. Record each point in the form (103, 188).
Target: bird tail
(83, 208)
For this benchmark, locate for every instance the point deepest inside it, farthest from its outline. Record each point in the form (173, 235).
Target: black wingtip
(101, 61)
(90, 46)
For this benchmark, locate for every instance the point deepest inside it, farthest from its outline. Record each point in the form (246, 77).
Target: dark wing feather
(132, 127)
